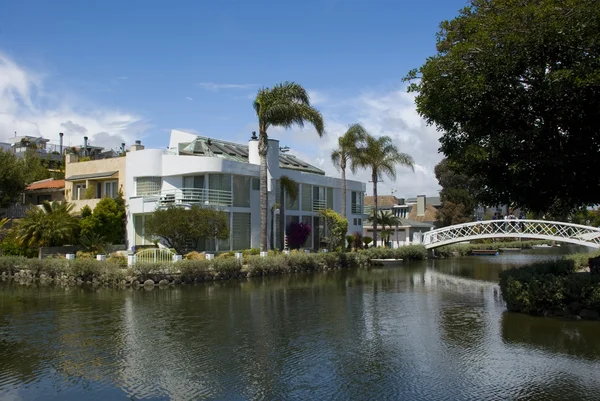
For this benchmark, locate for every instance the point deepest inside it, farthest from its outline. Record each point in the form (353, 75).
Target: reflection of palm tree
(346, 154)
(284, 105)
(289, 187)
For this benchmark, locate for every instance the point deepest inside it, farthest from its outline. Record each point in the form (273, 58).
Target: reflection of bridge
(531, 229)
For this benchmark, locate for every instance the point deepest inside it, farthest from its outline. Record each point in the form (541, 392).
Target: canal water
(435, 330)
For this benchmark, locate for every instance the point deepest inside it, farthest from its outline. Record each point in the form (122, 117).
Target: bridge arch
(529, 229)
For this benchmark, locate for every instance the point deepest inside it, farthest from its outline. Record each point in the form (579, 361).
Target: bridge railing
(568, 232)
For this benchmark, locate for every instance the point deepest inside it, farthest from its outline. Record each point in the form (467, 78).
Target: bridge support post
(430, 253)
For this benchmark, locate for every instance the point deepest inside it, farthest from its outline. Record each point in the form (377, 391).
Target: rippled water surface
(432, 330)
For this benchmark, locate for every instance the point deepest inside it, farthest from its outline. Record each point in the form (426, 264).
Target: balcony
(357, 209)
(319, 204)
(192, 196)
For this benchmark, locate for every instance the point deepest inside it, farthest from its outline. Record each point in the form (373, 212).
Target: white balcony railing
(319, 204)
(357, 209)
(199, 196)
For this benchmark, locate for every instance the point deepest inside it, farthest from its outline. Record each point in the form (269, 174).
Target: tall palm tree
(387, 221)
(284, 105)
(382, 157)
(289, 187)
(51, 225)
(346, 154)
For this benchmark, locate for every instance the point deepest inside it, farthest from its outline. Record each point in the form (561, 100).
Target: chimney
(60, 134)
(138, 146)
(253, 157)
(421, 202)
(85, 146)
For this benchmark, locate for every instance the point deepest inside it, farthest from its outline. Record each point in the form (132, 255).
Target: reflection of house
(45, 190)
(213, 173)
(89, 181)
(415, 214)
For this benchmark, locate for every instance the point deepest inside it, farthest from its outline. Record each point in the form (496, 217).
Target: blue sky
(126, 70)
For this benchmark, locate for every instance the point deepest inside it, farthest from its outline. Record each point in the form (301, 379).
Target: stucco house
(209, 172)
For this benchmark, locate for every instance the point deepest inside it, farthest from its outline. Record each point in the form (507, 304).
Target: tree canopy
(457, 201)
(179, 227)
(106, 221)
(515, 90)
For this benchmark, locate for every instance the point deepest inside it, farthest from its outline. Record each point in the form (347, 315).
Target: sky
(119, 71)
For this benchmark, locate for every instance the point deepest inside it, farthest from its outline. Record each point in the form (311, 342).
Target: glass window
(306, 198)
(241, 191)
(329, 198)
(79, 192)
(111, 189)
(255, 184)
(292, 204)
(147, 185)
(219, 189)
(357, 202)
(241, 231)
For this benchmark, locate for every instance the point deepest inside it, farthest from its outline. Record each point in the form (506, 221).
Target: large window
(219, 186)
(147, 185)
(306, 198)
(79, 191)
(111, 189)
(292, 204)
(241, 191)
(241, 231)
(357, 202)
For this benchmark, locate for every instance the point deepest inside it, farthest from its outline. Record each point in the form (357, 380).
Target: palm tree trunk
(344, 196)
(375, 212)
(272, 236)
(263, 147)
(282, 220)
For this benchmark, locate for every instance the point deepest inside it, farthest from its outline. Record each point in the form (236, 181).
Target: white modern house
(209, 172)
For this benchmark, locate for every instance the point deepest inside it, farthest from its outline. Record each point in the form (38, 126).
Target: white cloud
(390, 113)
(189, 98)
(212, 86)
(27, 108)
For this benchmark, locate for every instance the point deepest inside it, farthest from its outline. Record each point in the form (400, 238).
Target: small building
(49, 190)
(86, 182)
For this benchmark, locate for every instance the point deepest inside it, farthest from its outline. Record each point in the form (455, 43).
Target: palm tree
(290, 187)
(51, 225)
(284, 105)
(347, 152)
(387, 220)
(381, 156)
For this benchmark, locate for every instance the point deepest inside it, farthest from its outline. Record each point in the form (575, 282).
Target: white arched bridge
(530, 229)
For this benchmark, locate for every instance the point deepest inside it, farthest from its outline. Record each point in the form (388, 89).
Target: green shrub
(259, 266)
(303, 262)
(227, 268)
(12, 264)
(549, 286)
(194, 269)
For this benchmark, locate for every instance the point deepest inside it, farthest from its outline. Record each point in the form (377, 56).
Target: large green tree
(284, 105)
(179, 227)
(12, 178)
(382, 157)
(515, 90)
(346, 155)
(456, 195)
(106, 221)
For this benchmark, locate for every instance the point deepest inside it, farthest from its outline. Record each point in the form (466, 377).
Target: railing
(319, 204)
(155, 255)
(357, 209)
(533, 229)
(202, 196)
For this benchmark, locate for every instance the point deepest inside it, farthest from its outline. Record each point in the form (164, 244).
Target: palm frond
(289, 186)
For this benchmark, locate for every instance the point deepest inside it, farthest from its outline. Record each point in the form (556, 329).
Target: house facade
(208, 172)
(87, 182)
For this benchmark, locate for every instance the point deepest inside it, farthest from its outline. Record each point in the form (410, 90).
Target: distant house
(49, 190)
(416, 215)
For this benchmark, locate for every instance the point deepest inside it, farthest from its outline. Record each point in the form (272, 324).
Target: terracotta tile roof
(382, 201)
(50, 183)
(429, 217)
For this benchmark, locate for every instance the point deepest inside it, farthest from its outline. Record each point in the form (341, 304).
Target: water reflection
(420, 331)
